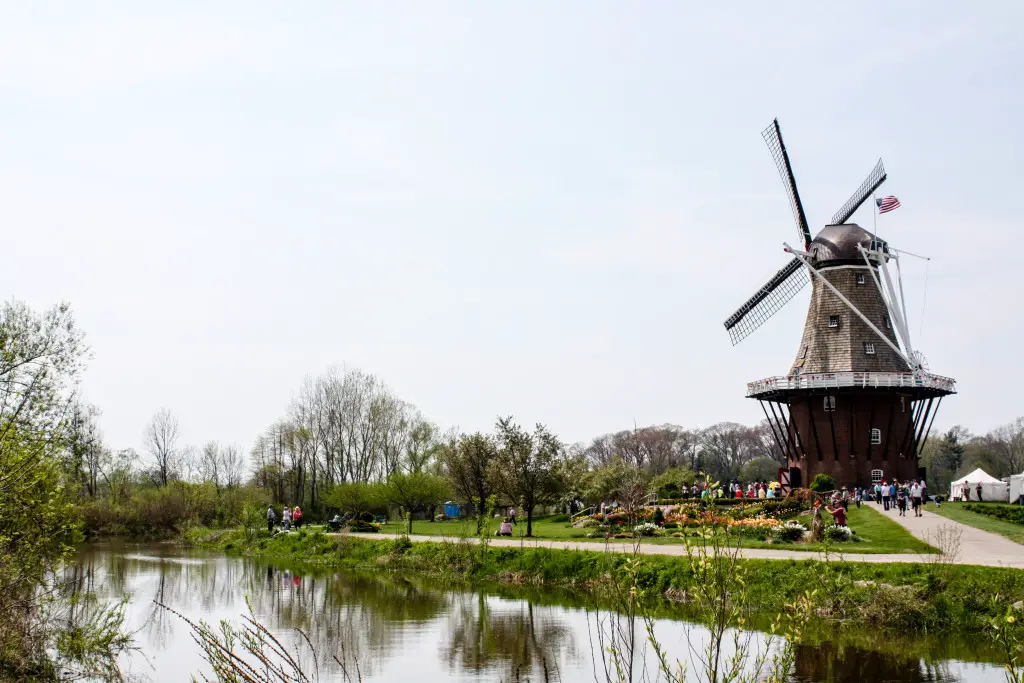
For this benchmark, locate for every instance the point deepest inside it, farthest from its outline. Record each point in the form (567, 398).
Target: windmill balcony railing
(841, 380)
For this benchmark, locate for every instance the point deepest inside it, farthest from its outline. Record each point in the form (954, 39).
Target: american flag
(887, 204)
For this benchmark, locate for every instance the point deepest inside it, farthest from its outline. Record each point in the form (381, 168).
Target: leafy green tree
(670, 483)
(527, 469)
(41, 359)
(467, 464)
(356, 497)
(416, 492)
(760, 469)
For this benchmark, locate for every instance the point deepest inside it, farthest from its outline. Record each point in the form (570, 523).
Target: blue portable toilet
(452, 509)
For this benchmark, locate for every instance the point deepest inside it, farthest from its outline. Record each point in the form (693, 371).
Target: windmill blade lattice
(775, 294)
(773, 137)
(870, 184)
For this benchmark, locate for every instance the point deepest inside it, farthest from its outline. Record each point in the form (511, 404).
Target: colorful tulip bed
(771, 521)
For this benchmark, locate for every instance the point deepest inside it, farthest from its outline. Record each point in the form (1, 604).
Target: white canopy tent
(991, 488)
(1016, 487)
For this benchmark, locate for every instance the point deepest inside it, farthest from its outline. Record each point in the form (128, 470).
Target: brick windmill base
(858, 428)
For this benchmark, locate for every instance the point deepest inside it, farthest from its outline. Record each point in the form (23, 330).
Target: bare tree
(232, 466)
(1005, 444)
(210, 464)
(725, 447)
(161, 440)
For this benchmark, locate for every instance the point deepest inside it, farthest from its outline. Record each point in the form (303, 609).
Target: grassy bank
(877, 533)
(917, 597)
(957, 513)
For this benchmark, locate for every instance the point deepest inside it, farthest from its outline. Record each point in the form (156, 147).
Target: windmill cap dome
(838, 244)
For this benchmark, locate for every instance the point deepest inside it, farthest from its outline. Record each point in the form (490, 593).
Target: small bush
(790, 532)
(646, 529)
(838, 534)
(823, 482)
(659, 516)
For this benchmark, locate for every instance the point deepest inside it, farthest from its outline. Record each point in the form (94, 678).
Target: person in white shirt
(915, 497)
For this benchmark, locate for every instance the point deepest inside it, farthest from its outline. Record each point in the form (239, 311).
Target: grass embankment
(915, 597)
(877, 534)
(957, 513)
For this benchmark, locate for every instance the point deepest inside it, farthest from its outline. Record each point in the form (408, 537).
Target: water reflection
(837, 664)
(396, 628)
(518, 641)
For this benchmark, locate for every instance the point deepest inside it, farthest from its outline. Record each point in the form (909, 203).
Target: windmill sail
(775, 294)
(773, 137)
(870, 184)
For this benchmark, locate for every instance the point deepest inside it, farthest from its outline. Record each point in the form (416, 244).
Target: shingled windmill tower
(858, 402)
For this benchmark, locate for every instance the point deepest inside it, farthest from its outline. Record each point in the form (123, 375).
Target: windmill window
(876, 435)
(861, 279)
(876, 476)
(803, 352)
(830, 403)
(903, 404)
(888, 323)
(833, 321)
(869, 348)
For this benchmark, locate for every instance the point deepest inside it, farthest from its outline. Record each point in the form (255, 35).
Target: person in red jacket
(297, 517)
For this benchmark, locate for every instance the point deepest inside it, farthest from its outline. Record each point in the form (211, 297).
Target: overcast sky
(544, 209)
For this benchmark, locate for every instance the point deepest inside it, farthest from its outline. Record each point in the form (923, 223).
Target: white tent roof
(978, 476)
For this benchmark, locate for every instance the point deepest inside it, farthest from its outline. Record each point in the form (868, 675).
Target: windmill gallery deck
(858, 401)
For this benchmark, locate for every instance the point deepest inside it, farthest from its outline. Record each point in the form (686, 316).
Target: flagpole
(874, 214)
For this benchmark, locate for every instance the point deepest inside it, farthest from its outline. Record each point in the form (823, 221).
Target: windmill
(858, 402)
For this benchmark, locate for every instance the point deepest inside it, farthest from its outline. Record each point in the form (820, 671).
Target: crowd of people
(290, 517)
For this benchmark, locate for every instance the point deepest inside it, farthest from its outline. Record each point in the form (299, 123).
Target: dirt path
(973, 552)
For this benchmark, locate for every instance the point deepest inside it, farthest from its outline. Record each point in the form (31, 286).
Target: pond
(402, 628)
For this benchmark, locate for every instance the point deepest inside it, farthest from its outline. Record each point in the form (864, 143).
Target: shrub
(646, 529)
(823, 482)
(659, 516)
(838, 534)
(790, 532)
(1007, 513)
(362, 526)
(671, 525)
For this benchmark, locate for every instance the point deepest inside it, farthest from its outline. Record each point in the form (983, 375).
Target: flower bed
(757, 519)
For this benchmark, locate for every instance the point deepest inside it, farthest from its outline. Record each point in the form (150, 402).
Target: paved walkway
(976, 547)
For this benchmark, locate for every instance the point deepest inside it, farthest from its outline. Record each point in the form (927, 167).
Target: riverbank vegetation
(42, 636)
(935, 596)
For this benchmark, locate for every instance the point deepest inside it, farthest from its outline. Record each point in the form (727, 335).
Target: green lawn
(878, 533)
(956, 512)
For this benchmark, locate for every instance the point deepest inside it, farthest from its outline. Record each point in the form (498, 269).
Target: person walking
(271, 518)
(286, 518)
(892, 492)
(297, 517)
(885, 496)
(512, 516)
(915, 498)
(901, 502)
(878, 493)
(977, 489)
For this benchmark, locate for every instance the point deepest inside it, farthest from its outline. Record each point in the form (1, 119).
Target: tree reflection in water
(523, 641)
(831, 663)
(375, 619)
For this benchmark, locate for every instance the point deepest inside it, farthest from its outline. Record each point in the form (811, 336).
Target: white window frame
(833, 321)
(861, 279)
(876, 436)
(830, 404)
(877, 476)
(888, 323)
(869, 348)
